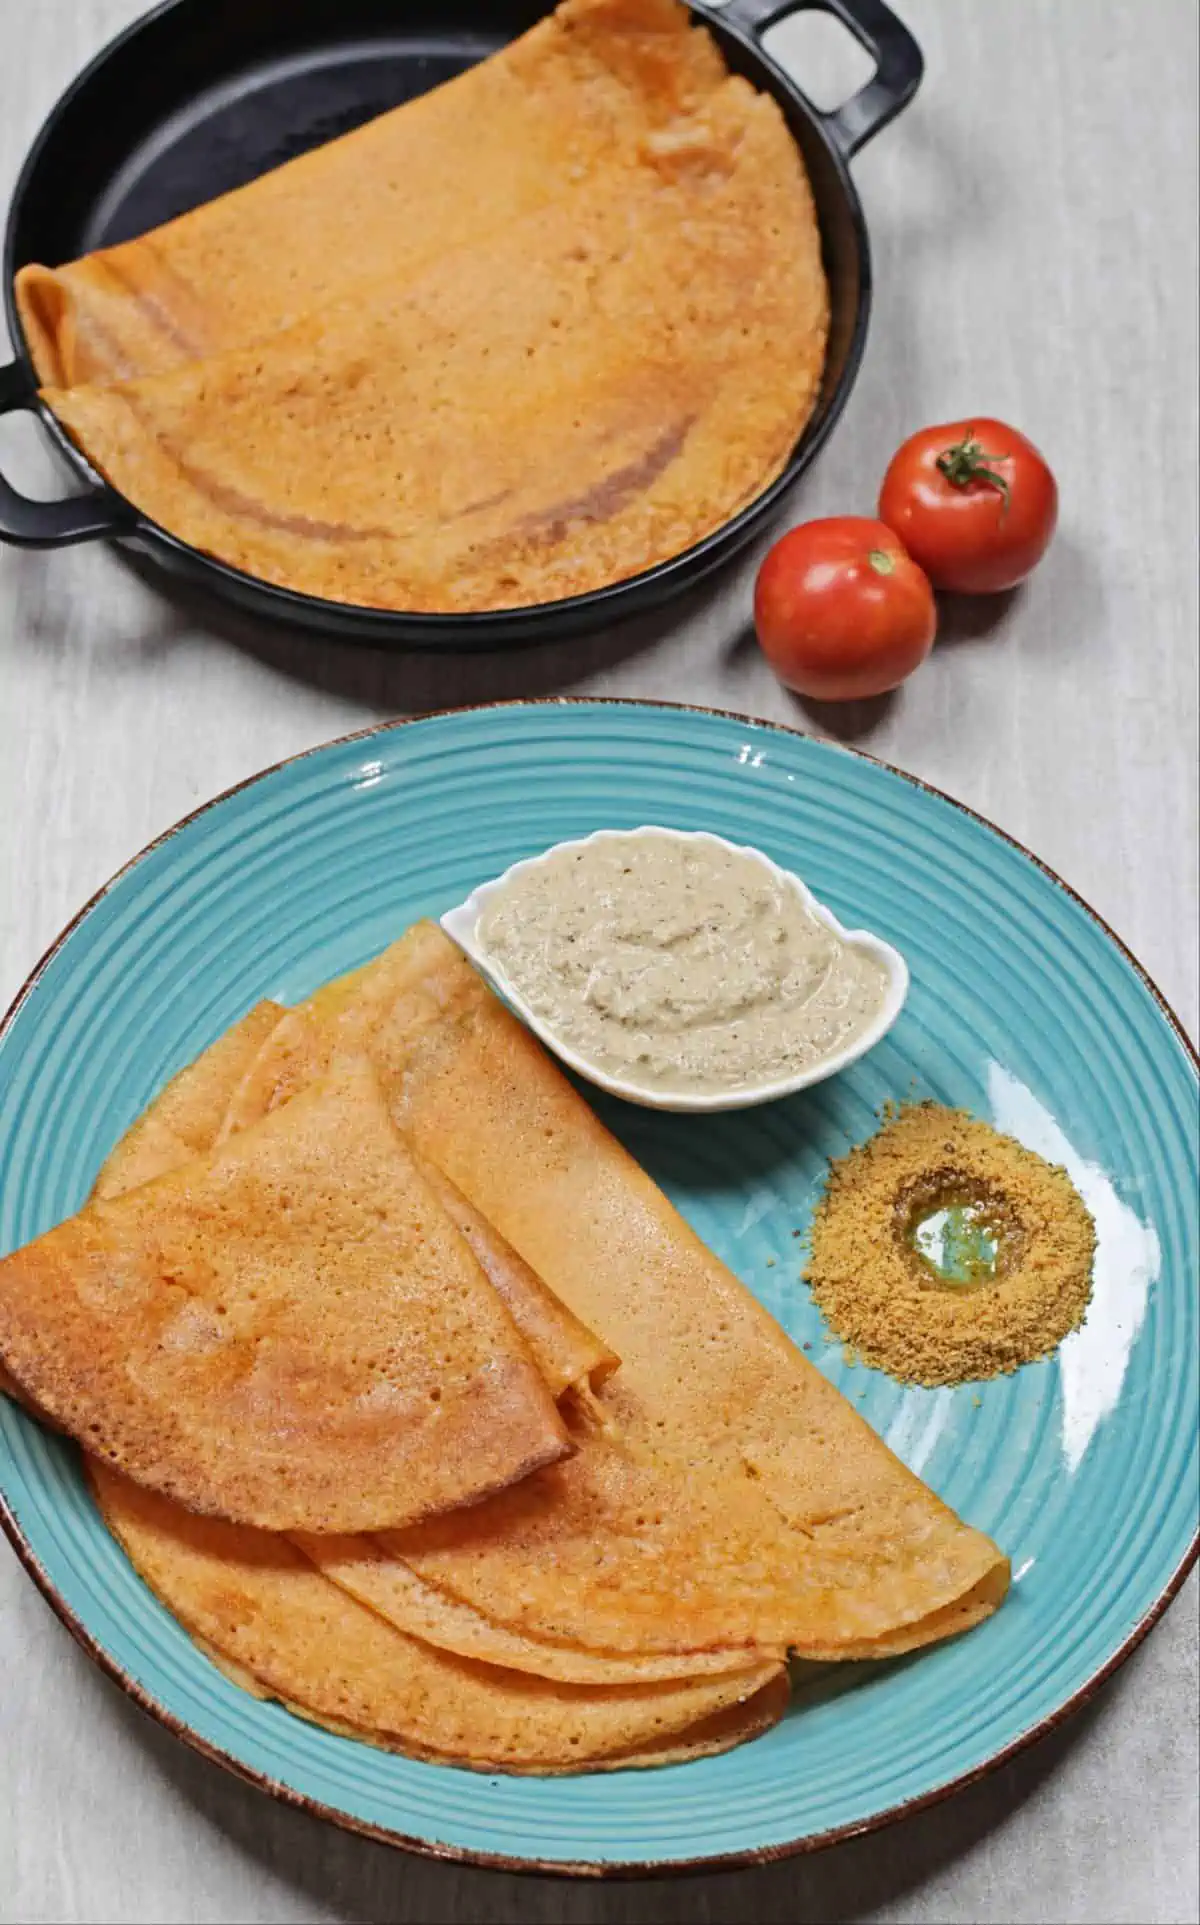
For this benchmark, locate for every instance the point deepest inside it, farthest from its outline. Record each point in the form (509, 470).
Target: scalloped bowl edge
(461, 924)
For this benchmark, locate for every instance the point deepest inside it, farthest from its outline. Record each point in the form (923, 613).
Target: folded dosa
(184, 1119)
(288, 1332)
(380, 1577)
(182, 1122)
(582, 392)
(251, 1597)
(521, 129)
(570, 1357)
(734, 1498)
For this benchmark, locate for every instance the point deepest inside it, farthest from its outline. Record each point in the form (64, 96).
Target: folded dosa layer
(383, 1580)
(184, 1119)
(287, 1332)
(569, 1355)
(253, 1598)
(442, 172)
(579, 394)
(722, 1731)
(185, 1116)
(733, 1497)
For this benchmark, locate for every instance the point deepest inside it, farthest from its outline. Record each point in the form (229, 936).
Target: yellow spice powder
(890, 1304)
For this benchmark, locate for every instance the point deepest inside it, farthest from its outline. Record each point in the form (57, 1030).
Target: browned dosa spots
(605, 497)
(160, 310)
(235, 502)
(485, 502)
(243, 507)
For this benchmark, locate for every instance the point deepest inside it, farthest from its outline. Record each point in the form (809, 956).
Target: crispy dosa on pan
(287, 1332)
(252, 1597)
(587, 389)
(733, 1497)
(441, 172)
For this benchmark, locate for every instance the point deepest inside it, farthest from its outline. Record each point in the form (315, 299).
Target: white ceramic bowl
(462, 924)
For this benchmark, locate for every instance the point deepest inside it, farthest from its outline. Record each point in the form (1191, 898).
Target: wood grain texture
(1033, 217)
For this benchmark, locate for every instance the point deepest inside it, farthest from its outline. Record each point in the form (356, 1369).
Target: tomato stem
(881, 561)
(967, 461)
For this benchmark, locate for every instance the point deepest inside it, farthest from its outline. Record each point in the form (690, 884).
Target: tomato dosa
(287, 1332)
(183, 1121)
(733, 1498)
(568, 1355)
(184, 1118)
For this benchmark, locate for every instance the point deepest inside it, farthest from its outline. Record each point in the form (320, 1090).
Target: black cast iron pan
(201, 95)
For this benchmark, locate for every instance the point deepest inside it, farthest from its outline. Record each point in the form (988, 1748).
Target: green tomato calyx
(967, 461)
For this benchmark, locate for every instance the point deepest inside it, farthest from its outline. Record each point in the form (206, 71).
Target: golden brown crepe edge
(161, 1542)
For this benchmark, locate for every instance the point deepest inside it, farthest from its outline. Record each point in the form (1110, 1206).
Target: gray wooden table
(1034, 224)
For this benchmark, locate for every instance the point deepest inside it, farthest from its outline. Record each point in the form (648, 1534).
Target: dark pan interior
(209, 96)
(201, 96)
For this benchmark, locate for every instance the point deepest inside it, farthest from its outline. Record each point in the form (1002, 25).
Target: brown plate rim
(588, 1868)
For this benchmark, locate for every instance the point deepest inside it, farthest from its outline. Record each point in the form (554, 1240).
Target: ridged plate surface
(1022, 1008)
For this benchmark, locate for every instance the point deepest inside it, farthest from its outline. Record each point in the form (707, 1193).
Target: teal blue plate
(1023, 1008)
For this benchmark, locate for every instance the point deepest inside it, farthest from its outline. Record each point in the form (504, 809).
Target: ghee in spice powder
(943, 1252)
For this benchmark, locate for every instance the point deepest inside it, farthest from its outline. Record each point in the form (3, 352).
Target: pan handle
(899, 63)
(51, 524)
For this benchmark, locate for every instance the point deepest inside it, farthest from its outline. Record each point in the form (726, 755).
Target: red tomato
(841, 611)
(973, 502)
